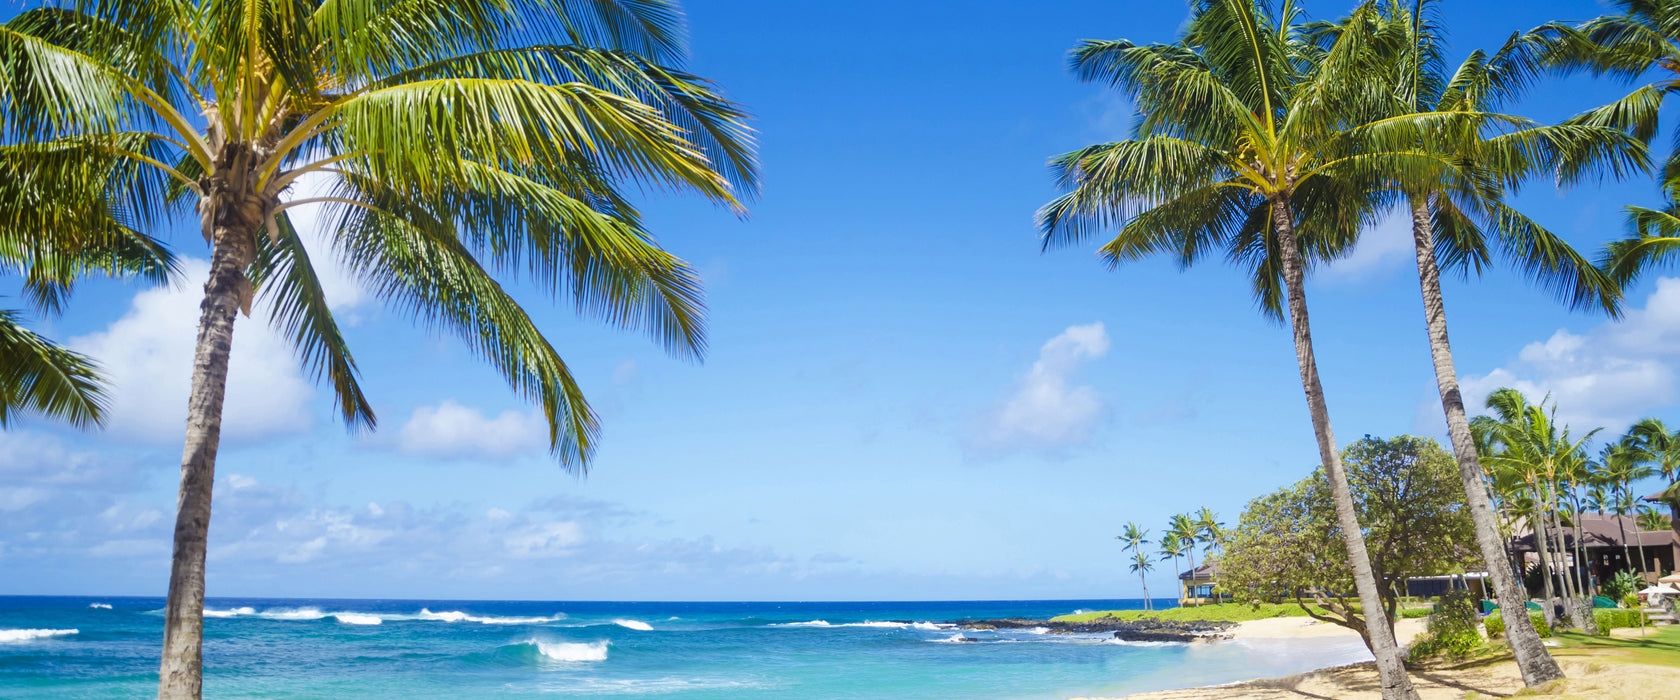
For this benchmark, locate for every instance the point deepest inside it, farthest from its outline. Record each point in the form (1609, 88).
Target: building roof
(1206, 572)
(1603, 530)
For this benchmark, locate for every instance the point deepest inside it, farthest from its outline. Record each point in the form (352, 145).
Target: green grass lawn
(1661, 647)
(1225, 612)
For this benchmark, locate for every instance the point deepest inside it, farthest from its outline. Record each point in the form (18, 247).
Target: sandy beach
(1589, 674)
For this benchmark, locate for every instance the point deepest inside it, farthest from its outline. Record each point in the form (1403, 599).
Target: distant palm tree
(1134, 537)
(1649, 519)
(1619, 465)
(1172, 547)
(463, 141)
(1658, 446)
(1252, 142)
(1208, 529)
(1141, 566)
(1183, 530)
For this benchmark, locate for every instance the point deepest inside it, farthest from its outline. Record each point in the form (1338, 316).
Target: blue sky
(903, 398)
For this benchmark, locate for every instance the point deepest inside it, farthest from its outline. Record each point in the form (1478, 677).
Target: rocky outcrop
(1145, 630)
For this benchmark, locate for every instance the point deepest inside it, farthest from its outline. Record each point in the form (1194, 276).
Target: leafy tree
(1254, 142)
(1286, 547)
(467, 143)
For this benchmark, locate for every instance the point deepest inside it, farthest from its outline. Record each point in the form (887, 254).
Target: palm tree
(1649, 519)
(1657, 445)
(1465, 213)
(52, 241)
(1528, 439)
(1142, 566)
(1172, 547)
(1134, 537)
(1248, 142)
(1621, 464)
(461, 142)
(1208, 529)
(1183, 531)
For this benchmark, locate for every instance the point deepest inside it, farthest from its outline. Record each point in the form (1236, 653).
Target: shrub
(1611, 619)
(1496, 624)
(1412, 613)
(1452, 629)
(1631, 600)
(1620, 586)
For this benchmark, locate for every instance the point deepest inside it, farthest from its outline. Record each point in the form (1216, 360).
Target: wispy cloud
(1046, 410)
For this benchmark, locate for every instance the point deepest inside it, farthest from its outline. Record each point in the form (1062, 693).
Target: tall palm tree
(1649, 519)
(1452, 223)
(462, 142)
(1133, 537)
(1248, 142)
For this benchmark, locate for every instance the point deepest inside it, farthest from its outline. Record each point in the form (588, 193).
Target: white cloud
(451, 430)
(147, 356)
(1608, 377)
(1045, 410)
(1381, 249)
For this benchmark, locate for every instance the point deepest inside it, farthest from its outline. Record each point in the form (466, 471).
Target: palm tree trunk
(1148, 603)
(181, 672)
(1532, 658)
(1391, 669)
(1192, 555)
(1543, 545)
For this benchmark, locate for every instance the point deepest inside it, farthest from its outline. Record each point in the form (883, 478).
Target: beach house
(1610, 543)
(1195, 587)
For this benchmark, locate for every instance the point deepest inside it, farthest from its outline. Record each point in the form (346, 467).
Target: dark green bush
(1452, 629)
(1621, 585)
(1610, 619)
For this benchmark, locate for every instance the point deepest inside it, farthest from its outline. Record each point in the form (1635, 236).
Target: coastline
(1590, 673)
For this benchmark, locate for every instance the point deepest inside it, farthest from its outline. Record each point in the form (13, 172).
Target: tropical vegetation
(458, 146)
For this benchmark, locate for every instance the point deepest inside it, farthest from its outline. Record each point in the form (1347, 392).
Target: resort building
(1432, 586)
(1195, 587)
(1610, 543)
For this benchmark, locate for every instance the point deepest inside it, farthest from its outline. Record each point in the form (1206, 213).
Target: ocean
(71, 647)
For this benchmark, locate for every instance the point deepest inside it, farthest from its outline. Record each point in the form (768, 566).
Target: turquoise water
(60, 647)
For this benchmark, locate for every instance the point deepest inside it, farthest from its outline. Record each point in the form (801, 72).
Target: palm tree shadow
(1450, 683)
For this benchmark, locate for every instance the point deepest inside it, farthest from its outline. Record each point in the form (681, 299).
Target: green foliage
(1452, 629)
(1631, 601)
(1288, 545)
(1620, 586)
(1495, 624)
(1412, 613)
(1609, 619)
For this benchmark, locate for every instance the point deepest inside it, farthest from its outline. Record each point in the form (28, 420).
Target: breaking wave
(458, 616)
(538, 651)
(634, 624)
(27, 635)
(100, 606)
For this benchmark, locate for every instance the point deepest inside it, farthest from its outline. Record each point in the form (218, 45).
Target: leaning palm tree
(460, 142)
(1252, 142)
(1620, 464)
(1183, 532)
(1459, 224)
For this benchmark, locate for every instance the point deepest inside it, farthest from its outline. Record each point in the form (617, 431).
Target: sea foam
(211, 612)
(571, 652)
(349, 618)
(293, 614)
(458, 616)
(28, 635)
(100, 606)
(634, 624)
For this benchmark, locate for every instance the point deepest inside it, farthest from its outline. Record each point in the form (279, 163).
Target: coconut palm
(1458, 224)
(1133, 537)
(460, 144)
(1649, 519)
(1250, 142)
(1183, 532)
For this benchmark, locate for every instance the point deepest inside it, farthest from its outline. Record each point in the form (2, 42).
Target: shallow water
(60, 647)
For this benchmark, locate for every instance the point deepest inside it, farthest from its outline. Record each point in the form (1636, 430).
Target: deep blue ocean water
(64, 647)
